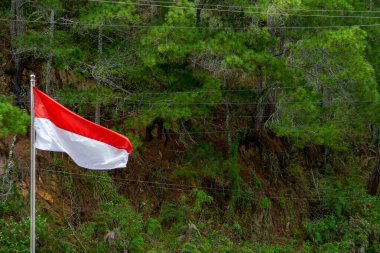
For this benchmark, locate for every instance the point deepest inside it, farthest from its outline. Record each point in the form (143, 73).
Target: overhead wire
(285, 9)
(170, 102)
(232, 11)
(184, 187)
(144, 93)
(186, 27)
(167, 93)
(232, 116)
(217, 90)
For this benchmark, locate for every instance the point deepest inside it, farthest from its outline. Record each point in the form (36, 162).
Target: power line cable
(233, 11)
(231, 117)
(168, 93)
(170, 102)
(189, 27)
(195, 91)
(217, 90)
(285, 9)
(252, 103)
(174, 186)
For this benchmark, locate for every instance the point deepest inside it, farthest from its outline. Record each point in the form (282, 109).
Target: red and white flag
(90, 145)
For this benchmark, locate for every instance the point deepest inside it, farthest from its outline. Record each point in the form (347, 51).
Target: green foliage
(214, 241)
(200, 198)
(116, 218)
(95, 13)
(137, 244)
(201, 164)
(190, 248)
(135, 139)
(332, 234)
(299, 122)
(211, 74)
(264, 203)
(171, 213)
(5, 7)
(61, 240)
(50, 4)
(14, 235)
(233, 171)
(91, 95)
(12, 119)
(262, 248)
(153, 226)
(11, 205)
(328, 122)
(256, 183)
(101, 185)
(352, 222)
(174, 107)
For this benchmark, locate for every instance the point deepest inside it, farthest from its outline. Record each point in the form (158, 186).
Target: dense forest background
(255, 124)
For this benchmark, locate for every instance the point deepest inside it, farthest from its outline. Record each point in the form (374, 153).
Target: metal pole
(32, 170)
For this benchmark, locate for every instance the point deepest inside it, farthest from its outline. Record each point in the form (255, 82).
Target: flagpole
(32, 170)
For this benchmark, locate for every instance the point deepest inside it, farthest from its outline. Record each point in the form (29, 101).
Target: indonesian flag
(90, 145)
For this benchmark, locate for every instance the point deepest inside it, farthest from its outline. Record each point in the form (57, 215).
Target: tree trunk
(374, 179)
(259, 78)
(260, 107)
(16, 29)
(199, 8)
(153, 10)
(100, 51)
(229, 138)
(50, 56)
(8, 176)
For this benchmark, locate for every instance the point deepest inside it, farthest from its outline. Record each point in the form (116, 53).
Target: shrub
(200, 198)
(14, 235)
(171, 213)
(152, 226)
(116, 227)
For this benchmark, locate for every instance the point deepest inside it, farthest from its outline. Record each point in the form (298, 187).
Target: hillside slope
(254, 125)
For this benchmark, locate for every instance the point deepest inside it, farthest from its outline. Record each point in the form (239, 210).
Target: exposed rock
(109, 237)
